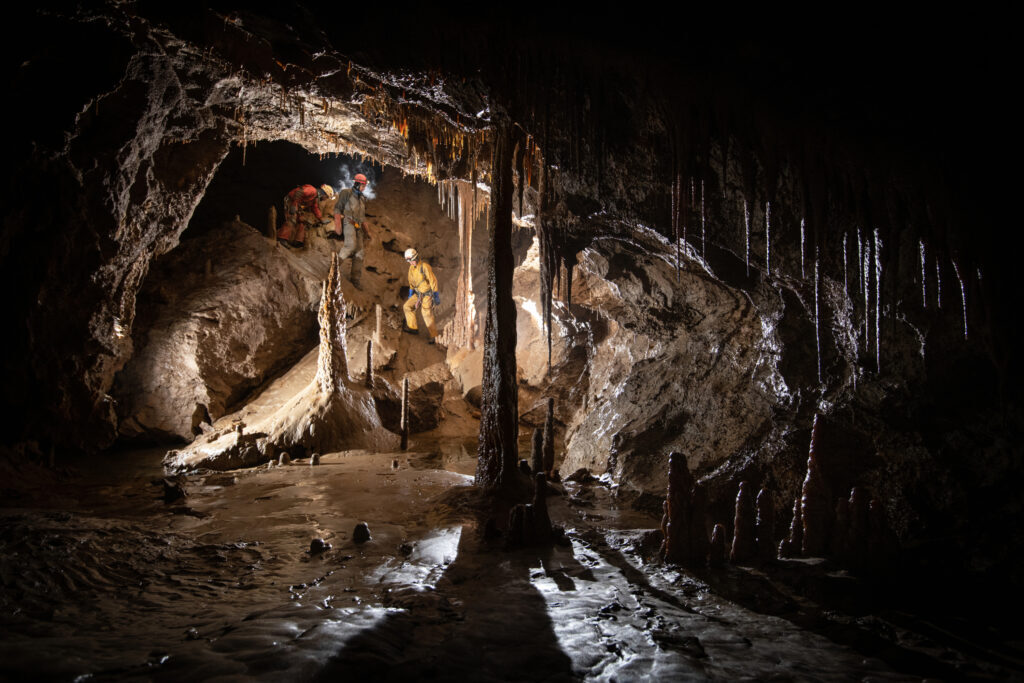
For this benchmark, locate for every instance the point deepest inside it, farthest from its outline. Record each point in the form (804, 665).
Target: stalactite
(765, 527)
(768, 238)
(878, 301)
(746, 224)
(744, 544)
(815, 505)
(497, 450)
(846, 279)
(817, 313)
(963, 294)
(924, 276)
(703, 224)
(803, 247)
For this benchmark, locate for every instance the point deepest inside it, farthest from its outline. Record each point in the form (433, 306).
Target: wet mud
(255, 574)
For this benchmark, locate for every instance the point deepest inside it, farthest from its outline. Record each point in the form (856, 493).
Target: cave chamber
(723, 384)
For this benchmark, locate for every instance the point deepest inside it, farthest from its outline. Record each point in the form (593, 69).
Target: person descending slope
(350, 224)
(423, 295)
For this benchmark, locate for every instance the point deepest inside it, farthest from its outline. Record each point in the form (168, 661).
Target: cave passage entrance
(229, 313)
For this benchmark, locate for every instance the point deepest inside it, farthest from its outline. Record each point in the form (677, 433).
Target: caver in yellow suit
(422, 288)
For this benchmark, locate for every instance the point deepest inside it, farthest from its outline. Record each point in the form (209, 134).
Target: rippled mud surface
(103, 580)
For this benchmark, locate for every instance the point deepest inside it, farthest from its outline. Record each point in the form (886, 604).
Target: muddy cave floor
(103, 580)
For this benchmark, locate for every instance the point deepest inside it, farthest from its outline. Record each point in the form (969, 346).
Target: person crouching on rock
(422, 295)
(301, 210)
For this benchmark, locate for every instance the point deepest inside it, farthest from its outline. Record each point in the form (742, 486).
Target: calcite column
(332, 363)
(497, 450)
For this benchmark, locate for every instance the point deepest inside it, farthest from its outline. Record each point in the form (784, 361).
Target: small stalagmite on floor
(815, 502)
(686, 541)
(744, 544)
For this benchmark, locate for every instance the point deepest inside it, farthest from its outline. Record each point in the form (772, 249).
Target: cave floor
(103, 580)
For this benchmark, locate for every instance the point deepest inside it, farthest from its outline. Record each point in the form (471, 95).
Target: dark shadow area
(483, 621)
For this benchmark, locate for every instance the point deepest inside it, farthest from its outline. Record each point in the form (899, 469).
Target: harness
(436, 296)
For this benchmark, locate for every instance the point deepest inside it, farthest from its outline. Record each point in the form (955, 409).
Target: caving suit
(422, 285)
(301, 209)
(349, 221)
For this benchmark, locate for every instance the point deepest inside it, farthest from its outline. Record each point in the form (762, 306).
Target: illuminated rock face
(216, 337)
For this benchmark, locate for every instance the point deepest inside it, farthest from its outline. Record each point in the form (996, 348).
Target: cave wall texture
(804, 167)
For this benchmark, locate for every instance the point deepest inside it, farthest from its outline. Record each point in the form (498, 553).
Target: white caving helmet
(328, 190)
(411, 255)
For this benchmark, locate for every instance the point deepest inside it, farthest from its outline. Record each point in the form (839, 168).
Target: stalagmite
(858, 528)
(537, 450)
(792, 545)
(680, 484)
(497, 448)
(376, 330)
(765, 528)
(369, 363)
(744, 544)
(815, 505)
(549, 438)
(716, 552)
(768, 238)
(405, 414)
(272, 222)
(541, 518)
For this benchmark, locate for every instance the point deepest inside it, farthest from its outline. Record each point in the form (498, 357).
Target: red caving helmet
(360, 179)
